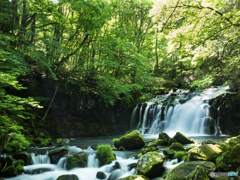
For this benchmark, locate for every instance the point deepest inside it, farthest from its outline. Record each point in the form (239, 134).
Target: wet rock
(198, 173)
(149, 149)
(56, 154)
(155, 143)
(25, 156)
(105, 154)
(68, 177)
(229, 160)
(185, 169)
(41, 170)
(171, 140)
(164, 137)
(208, 141)
(150, 164)
(206, 152)
(116, 174)
(177, 147)
(169, 153)
(182, 139)
(101, 175)
(76, 160)
(135, 177)
(132, 140)
(9, 171)
(121, 148)
(233, 141)
(131, 166)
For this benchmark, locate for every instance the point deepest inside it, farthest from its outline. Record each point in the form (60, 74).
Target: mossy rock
(101, 175)
(56, 154)
(76, 160)
(180, 155)
(233, 141)
(105, 154)
(150, 164)
(208, 141)
(132, 140)
(164, 137)
(135, 177)
(121, 148)
(207, 152)
(182, 171)
(182, 139)
(9, 171)
(159, 142)
(182, 101)
(198, 173)
(171, 140)
(68, 177)
(177, 147)
(149, 149)
(25, 156)
(229, 160)
(169, 153)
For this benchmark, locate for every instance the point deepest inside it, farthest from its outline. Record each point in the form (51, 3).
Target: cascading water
(180, 111)
(40, 159)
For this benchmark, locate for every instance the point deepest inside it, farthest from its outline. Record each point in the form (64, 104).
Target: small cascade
(62, 163)
(40, 159)
(181, 111)
(93, 160)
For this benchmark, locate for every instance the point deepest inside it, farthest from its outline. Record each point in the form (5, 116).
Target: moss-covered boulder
(233, 141)
(229, 160)
(150, 164)
(169, 153)
(149, 149)
(56, 154)
(208, 141)
(101, 175)
(171, 140)
(198, 173)
(164, 137)
(9, 171)
(180, 155)
(207, 152)
(159, 142)
(25, 156)
(76, 160)
(182, 139)
(105, 154)
(135, 177)
(68, 177)
(177, 147)
(182, 171)
(132, 140)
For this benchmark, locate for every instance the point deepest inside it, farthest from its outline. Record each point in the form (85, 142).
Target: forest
(116, 50)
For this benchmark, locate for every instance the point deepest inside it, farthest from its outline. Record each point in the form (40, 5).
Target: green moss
(149, 149)
(182, 101)
(121, 148)
(20, 169)
(139, 155)
(180, 155)
(59, 140)
(105, 154)
(190, 147)
(177, 146)
(77, 160)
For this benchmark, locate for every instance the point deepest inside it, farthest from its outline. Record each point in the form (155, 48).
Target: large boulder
(68, 177)
(179, 137)
(150, 164)
(135, 177)
(164, 137)
(177, 147)
(229, 160)
(76, 160)
(56, 154)
(206, 152)
(25, 156)
(9, 171)
(155, 143)
(132, 140)
(233, 141)
(105, 154)
(198, 173)
(182, 171)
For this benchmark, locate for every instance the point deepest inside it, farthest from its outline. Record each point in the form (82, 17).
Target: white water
(188, 118)
(88, 173)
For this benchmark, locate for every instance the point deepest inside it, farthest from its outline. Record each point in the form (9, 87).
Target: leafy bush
(59, 140)
(17, 143)
(42, 141)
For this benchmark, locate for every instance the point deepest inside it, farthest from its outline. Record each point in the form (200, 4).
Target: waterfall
(181, 111)
(40, 159)
(62, 163)
(93, 160)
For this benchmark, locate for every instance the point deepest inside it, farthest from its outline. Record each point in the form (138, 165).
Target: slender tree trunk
(51, 102)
